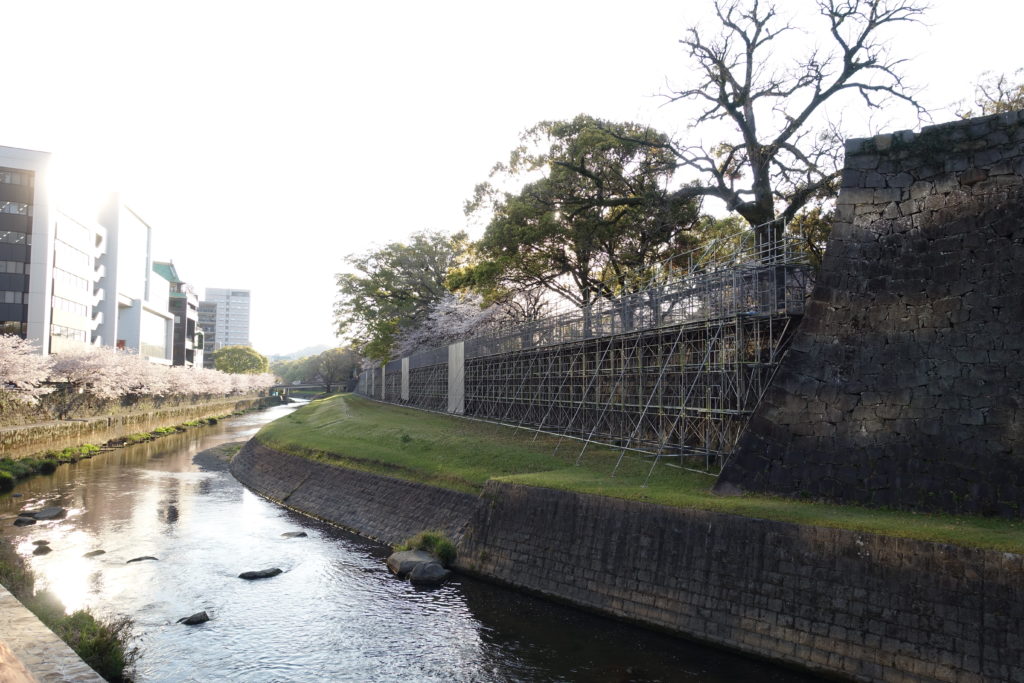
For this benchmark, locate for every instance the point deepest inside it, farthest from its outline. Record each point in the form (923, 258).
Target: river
(335, 614)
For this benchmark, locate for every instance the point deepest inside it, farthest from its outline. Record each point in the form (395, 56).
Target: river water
(335, 614)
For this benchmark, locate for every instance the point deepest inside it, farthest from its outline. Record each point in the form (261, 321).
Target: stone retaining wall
(854, 605)
(382, 508)
(903, 384)
(27, 440)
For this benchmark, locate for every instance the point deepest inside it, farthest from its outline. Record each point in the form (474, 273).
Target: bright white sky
(266, 141)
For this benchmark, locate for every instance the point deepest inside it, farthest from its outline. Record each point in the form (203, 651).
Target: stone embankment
(25, 440)
(902, 385)
(842, 603)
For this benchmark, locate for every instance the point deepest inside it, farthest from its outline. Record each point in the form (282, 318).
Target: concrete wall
(903, 385)
(28, 648)
(854, 605)
(27, 440)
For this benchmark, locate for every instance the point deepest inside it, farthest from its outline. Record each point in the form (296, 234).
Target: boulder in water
(40, 542)
(197, 618)
(42, 550)
(294, 534)
(428, 574)
(50, 513)
(24, 521)
(259, 574)
(404, 561)
(140, 559)
(94, 553)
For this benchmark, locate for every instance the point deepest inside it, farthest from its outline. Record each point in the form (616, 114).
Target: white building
(70, 277)
(231, 318)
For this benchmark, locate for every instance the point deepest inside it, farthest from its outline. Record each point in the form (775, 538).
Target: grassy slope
(462, 454)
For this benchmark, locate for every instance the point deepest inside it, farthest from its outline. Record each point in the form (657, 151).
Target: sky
(266, 141)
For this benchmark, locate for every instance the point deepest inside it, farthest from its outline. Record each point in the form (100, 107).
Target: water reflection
(334, 614)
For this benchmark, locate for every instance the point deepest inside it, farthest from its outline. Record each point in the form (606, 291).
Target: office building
(224, 317)
(74, 276)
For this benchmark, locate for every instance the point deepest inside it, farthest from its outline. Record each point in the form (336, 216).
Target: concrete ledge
(35, 648)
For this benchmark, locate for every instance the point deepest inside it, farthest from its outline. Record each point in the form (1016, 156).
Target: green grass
(433, 542)
(462, 455)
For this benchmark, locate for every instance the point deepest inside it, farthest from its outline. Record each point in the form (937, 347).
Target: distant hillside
(302, 353)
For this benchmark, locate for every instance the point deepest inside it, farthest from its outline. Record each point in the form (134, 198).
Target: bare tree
(783, 153)
(995, 94)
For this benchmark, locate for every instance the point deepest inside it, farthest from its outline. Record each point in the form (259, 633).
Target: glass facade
(154, 335)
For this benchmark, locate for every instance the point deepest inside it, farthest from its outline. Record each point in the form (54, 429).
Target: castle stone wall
(904, 385)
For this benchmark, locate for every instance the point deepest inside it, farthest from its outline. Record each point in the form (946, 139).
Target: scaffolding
(673, 370)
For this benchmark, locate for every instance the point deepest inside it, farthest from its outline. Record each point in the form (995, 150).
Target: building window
(11, 237)
(10, 176)
(68, 333)
(13, 327)
(13, 297)
(13, 267)
(68, 306)
(70, 258)
(19, 208)
(72, 281)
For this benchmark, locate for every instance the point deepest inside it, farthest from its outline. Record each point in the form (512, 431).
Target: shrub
(433, 542)
(104, 645)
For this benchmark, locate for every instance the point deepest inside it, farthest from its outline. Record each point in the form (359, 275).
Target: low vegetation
(13, 469)
(462, 455)
(105, 645)
(433, 542)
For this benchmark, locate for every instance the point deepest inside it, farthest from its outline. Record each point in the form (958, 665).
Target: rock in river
(260, 574)
(140, 559)
(49, 513)
(40, 542)
(197, 618)
(42, 550)
(428, 574)
(404, 561)
(94, 553)
(24, 521)
(294, 534)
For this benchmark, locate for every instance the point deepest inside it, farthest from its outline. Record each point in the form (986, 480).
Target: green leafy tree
(593, 215)
(783, 153)
(392, 289)
(240, 360)
(334, 367)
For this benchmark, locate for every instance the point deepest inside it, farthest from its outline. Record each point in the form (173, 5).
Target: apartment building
(224, 317)
(183, 304)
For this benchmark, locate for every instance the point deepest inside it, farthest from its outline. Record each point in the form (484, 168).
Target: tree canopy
(594, 212)
(240, 360)
(334, 367)
(392, 289)
(780, 151)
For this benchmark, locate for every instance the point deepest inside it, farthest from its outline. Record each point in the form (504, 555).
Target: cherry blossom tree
(451, 318)
(23, 370)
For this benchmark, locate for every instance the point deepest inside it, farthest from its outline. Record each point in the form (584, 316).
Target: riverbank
(27, 440)
(464, 455)
(841, 602)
